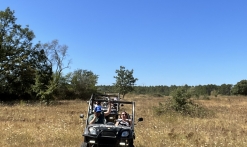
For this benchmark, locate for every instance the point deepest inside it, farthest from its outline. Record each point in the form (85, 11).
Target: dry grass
(39, 126)
(60, 125)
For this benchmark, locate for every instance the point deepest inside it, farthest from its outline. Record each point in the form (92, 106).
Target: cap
(97, 109)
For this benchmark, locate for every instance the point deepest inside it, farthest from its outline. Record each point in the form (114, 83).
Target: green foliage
(20, 60)
(82, 83)
(205, 89)
(56, 55)
(195, 91)
(26, 70)
(124, 81)
(240, 88)
(64, 89)
(225, 89)
(43, 86)
(180, 98)
(15, 49)
(105, 88)
(47, 82)
(182, 104)
(44, 91)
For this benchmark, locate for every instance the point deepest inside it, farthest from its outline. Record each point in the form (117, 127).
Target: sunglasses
(123, 114)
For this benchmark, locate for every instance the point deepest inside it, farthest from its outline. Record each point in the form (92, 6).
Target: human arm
(130, 121)
(92, 118)
(108, 110)
(117, 123)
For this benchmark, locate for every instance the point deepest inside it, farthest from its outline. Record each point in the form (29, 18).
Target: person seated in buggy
(124, 120)
(99, 116)
(97, 104)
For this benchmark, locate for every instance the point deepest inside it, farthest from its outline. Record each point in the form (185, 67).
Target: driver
(124, 121)
(99, 116)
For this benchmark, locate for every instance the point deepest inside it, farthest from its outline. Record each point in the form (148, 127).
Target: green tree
(225, 89)
(240, 88)
(180, 98)
(20, 60)
(43, 77)
(56, 57)
(124, 80)
(83, 83)
(64, 89)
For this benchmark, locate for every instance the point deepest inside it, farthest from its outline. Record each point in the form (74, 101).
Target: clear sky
(165, 42)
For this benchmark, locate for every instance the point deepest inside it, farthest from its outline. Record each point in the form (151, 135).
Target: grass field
(59, 125)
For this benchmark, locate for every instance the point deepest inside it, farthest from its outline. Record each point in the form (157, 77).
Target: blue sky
(165, 42)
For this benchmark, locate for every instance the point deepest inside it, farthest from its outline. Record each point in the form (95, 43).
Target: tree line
(240, 88)
(163, 90)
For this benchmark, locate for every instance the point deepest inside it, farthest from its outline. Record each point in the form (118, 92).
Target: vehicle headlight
(125, 134)
(92, 130)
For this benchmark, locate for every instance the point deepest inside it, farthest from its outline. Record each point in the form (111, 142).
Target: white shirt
(123, 123)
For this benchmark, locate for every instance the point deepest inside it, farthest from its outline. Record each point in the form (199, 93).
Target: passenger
(97, 104)
(124, 121)
(99, 117)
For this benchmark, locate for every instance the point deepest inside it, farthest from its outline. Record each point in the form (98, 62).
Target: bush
(180, 97)
(181, 103)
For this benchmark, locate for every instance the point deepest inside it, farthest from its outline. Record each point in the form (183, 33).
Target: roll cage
(104, 100)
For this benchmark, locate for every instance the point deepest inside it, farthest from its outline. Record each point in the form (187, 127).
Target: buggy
(107, 134)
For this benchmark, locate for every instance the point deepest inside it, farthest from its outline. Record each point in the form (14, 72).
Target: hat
(97, 109)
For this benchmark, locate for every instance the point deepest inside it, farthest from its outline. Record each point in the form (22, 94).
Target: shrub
(180, 97)
(181, 103)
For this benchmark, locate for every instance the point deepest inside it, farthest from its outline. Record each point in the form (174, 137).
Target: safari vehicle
(107, 134)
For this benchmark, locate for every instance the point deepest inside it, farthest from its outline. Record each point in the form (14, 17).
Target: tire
(131, 144)
(84, 144)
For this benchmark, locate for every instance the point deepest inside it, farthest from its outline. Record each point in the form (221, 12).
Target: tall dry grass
(60, 125)
(41, 126)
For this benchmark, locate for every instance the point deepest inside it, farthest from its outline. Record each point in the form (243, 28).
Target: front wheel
(131, 144)
(84, 144)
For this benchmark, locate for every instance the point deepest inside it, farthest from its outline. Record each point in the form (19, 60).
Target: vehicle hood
(106, 130)
(106, 127)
